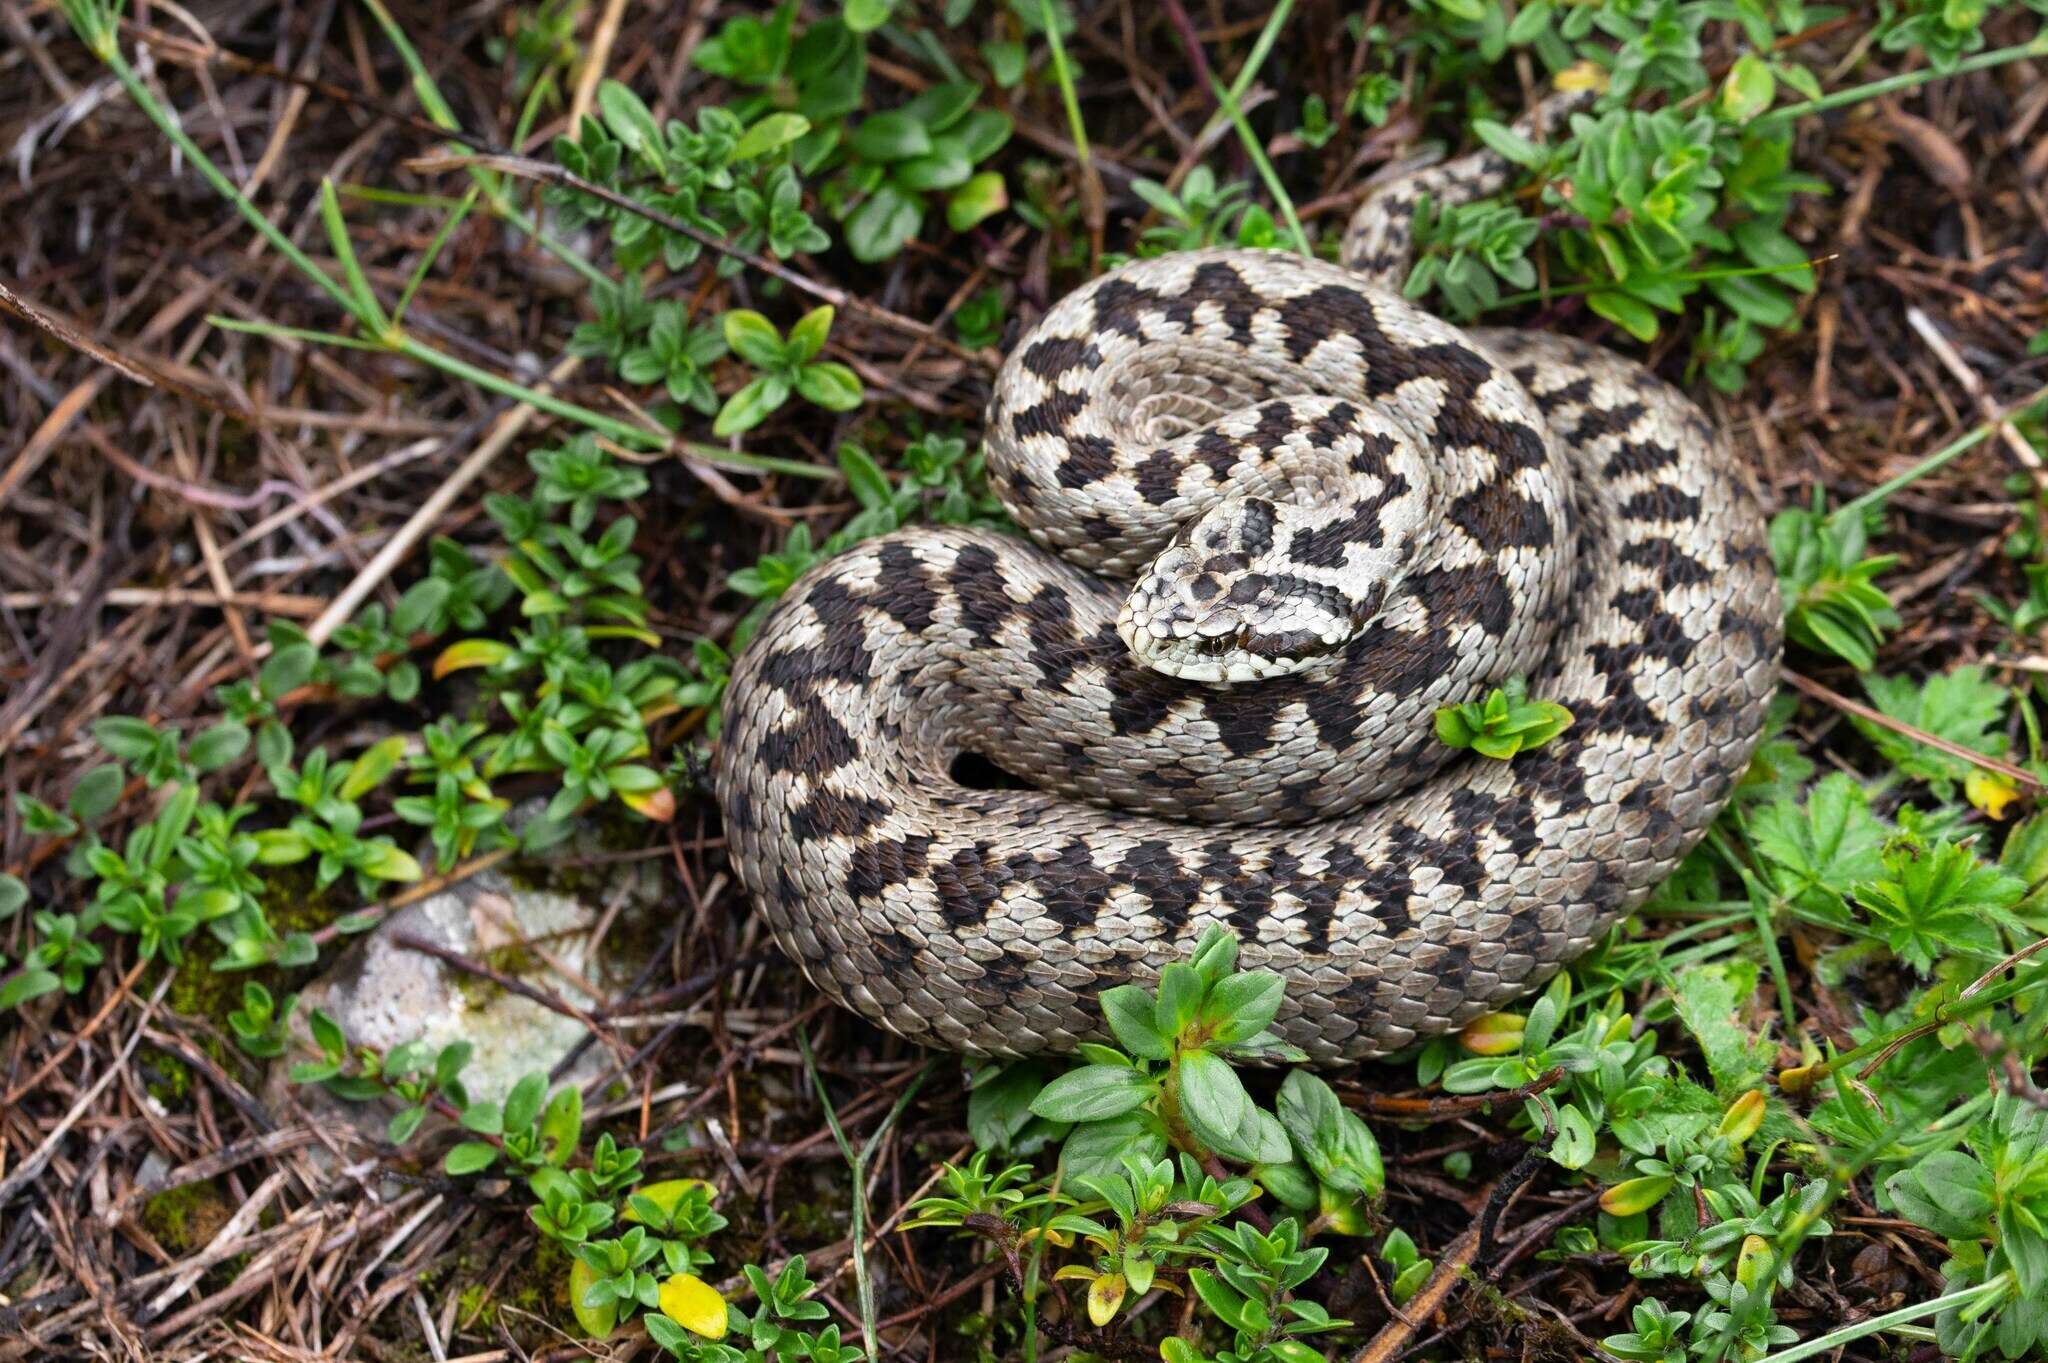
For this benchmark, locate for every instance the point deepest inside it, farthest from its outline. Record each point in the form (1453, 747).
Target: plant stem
(1920, 470)
(1265, 166)
(1856, 94)
(1064, 75)
(1834, 1339)
(863, 1283)
(146, 100)
(1975, 998)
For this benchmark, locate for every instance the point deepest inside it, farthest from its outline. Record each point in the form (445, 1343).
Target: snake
(1275, 517)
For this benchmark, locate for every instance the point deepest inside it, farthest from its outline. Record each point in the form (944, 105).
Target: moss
(186, 1218)
(474, 1308)
(292, 901)
(538, 1286)
(516, 959)
(171, 1078)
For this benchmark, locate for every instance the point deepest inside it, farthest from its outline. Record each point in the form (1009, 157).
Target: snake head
(1224, 603)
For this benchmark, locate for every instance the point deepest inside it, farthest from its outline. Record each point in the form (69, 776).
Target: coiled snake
(1340, 514)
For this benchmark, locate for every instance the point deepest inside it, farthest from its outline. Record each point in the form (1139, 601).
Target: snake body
(1278, 516)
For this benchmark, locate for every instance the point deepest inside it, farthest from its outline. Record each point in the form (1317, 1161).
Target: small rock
(385, 994)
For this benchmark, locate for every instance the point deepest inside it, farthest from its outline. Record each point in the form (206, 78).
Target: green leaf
(1626, 312)
(882, 224)
(895, 135)
(981, 198)
(1507, 142)
(1212, 1098)
(14, 894)
(864, 16)
(388, 861)
(1219, 1298)
(1707, 998)
(1948, 1192)
(216, 748)
(1005, 62)
(404, 1124)
(1092, 1093)
(751, 406)
(944, 167)
(808, 336)
(1936, 899)
(982, 133)
(771, 133)
(372, 766)
(600, 1319)
(752, 337)
(1181, 988)
(1749, 89)
(1128, 1010)
(523, 1104)
(629, 120)
(830, 385)
(32, 983)
(288, 668)
(1818, 854)
(1332, 1141)
(1099, 1148)
(126, 737)
(470, 1157)
(1243, 1005)
(96, 794)
(864, 477)
(1964, 706)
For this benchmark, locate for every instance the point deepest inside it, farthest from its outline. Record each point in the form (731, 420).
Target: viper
(1277, 516)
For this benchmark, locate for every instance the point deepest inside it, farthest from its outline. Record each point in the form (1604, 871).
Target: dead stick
(1884, 721)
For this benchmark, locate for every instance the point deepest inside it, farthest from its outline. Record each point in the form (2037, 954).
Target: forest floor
(213, 523)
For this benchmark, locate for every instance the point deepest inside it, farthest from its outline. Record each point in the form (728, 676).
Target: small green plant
(980, 320)
(1507, 722)
(259, 1024)
(1991, 1204)
(784, 366)
(1832, 601)
(896, 159)
(1466, 251)
(636, 1247)
(1409, 1269)
(1202, 213)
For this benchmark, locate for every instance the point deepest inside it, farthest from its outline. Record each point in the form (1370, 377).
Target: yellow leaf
(1799, 1079)
(1105, 1295)
(1581, 76)
(665, 1195)
(1743, 1116)
(1990, 791)
(1754, 1262)
(1342, 1212)
(371, 766)
(694, 1304)
(597, 1321)
(470, 653)
(658, 804)
(1635, 1195)
(1494, 1034)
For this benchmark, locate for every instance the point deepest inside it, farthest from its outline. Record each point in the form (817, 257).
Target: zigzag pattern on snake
(1280, 516)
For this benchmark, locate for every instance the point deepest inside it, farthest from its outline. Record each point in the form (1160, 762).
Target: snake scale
(1278, 516)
